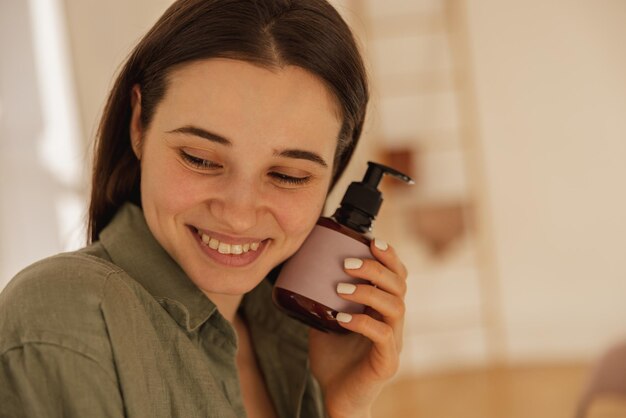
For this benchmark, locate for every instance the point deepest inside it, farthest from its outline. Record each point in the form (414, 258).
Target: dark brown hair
(306, 33)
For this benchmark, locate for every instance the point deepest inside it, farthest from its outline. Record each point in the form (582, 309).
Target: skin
(255, 131)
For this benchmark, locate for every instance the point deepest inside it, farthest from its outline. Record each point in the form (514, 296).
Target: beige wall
(551, 96)
(539, 123)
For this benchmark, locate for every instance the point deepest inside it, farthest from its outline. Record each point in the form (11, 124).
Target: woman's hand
(352, 369)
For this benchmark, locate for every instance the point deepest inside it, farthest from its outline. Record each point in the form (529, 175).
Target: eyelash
(283, 178)
(203, 164)
(199, 162)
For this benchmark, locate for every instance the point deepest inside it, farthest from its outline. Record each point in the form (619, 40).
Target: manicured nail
(352, 263)
(380, 244)
(344, 317)
(346, 288)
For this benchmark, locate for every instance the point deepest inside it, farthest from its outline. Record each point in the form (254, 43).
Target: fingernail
(352, 263)
(344, 317)
(380, 244)
(346, 288)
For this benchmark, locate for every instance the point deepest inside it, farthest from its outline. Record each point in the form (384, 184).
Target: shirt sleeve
(47, 380)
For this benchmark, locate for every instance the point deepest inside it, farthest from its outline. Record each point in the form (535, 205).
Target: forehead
(240, 100)
(216, 77)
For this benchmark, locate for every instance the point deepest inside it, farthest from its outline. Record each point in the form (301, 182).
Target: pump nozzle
(375, 172)
(362, 200)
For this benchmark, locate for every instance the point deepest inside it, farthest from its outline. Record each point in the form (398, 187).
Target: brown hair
(306, 33)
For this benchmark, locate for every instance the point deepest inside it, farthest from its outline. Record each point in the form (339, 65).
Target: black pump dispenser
(362, 200)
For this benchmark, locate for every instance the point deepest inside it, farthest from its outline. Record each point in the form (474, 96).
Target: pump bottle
(306, 285)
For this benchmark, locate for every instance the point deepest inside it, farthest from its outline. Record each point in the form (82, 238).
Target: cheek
(298, 215)
(166, 186)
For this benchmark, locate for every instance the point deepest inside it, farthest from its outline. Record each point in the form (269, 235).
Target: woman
(221, 138)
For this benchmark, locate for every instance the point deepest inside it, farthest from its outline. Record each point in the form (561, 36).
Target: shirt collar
(133, 248)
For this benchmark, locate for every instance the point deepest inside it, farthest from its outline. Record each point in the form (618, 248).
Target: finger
(392, 308)
(380, 305)
(387, 255)
(383, 337)
(376, 273)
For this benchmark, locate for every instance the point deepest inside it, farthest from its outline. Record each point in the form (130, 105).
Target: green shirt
(118, 329)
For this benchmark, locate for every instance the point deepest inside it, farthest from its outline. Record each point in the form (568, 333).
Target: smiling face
(235, 168)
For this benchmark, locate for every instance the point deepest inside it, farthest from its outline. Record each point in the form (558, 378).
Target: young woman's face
(235, 168)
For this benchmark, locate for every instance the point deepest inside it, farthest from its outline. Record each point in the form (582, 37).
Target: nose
(237, 204)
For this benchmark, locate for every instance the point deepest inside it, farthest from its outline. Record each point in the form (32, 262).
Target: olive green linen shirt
(117, 329)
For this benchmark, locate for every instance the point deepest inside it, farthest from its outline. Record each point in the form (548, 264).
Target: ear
(136, 130)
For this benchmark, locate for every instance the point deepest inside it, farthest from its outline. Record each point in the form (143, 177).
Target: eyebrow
(302, 155)
(195, 131)
(287, 153)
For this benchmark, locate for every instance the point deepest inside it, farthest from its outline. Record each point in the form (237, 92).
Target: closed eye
(199, 163)
(289, 180)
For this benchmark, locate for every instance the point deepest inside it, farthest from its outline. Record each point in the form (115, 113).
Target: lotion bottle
(306, 285)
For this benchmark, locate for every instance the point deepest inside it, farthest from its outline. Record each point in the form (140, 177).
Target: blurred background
(511, 116)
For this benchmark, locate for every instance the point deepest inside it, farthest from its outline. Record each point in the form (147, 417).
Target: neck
(226, 304)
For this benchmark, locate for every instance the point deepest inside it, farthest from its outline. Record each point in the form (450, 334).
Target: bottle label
(317, 268)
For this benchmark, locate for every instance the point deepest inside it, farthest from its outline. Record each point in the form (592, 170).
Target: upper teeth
(224, 248)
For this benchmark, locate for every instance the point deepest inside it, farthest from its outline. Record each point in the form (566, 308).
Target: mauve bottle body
(306, 287)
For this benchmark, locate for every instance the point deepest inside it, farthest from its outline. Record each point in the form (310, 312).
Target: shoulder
(57, 301)
(58, 280)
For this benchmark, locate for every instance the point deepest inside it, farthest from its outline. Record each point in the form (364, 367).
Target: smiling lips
(225, 248)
